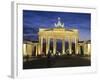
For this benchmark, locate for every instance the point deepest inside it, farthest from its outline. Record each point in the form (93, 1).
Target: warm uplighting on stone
(59, 32)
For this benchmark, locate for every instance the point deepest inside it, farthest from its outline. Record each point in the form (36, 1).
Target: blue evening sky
(33, 20)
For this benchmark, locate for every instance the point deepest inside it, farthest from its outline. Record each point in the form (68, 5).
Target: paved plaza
(56, 61)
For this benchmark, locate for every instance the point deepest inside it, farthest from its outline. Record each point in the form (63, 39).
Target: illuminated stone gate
(59, 32)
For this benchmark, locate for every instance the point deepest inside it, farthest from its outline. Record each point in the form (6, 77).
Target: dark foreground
(56, 61)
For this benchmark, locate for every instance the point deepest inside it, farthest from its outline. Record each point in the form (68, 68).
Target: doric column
(70, 45)
(36, 50)
(63, 46)
(85, 48)
(76, 46)
(39, 46)
(29, 50)
(54, 46)
(89, 49)
(47, 45)
(24, 50)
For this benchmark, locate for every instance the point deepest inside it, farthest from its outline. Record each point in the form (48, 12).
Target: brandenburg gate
(59, 32)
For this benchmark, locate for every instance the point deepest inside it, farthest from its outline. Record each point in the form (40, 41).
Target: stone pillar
(79, 48)
(63, 46)
(89, 48)
(85, 48)
(24, 50)
(47, 45)
(36, 49)
(70, 46)
(76, 46)
(29, 49)
(39, 46)
(54, 46)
